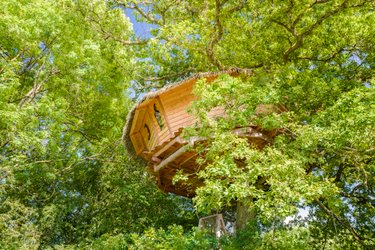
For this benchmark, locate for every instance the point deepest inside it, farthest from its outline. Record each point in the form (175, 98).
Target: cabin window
(148, 132)
(158, 117)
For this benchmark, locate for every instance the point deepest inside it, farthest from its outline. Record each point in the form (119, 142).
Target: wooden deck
(179, 154)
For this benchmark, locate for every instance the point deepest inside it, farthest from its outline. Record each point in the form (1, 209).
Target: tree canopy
(70, 71)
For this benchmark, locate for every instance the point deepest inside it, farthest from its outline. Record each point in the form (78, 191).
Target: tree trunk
(244, 214)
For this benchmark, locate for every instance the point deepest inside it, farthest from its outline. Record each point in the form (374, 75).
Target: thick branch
(215, 38)
(135, 7)
(284, 26)
(344, 223)
(162, 12)
(323, 59)
(324, 17)
(300, 37)
(309, 30)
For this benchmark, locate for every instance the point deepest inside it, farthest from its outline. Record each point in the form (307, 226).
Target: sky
(141, 29)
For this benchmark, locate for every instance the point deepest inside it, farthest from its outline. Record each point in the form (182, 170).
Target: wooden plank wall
(175, 102)
(137, 142)
(173, 105)
(164, 135)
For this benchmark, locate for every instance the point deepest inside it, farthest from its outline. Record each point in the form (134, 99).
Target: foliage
(174, 238)
(250, 238)
(65, 67)
(64, 175)
(312, 59)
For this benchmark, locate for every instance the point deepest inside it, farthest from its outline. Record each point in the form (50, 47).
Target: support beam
(169, 144)
(172, 157)
(178, 153)
(188, 159)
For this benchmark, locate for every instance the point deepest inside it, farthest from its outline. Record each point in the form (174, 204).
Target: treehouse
(153, 133)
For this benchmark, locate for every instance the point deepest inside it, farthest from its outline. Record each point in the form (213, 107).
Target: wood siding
(172, 106)
(175, 104)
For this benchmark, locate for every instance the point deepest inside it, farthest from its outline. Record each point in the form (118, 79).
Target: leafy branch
(300, 36)
(344, 223)
(107, 34)
(135, 6)
(37, 85)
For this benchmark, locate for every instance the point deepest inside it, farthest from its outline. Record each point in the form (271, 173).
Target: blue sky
(141, 29)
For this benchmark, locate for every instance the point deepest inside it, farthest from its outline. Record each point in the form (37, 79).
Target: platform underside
(178, 154)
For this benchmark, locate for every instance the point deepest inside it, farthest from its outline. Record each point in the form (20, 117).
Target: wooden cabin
(153, 133)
